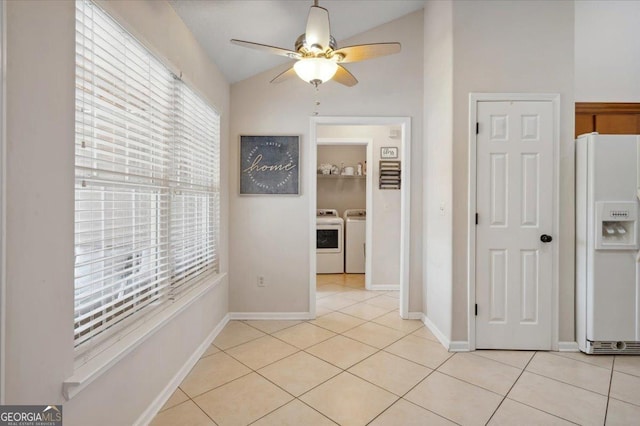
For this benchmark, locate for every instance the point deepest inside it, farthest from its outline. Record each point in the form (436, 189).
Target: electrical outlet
(261, 282)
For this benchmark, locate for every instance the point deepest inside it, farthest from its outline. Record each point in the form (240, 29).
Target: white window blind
(195, 194)
(147, 180)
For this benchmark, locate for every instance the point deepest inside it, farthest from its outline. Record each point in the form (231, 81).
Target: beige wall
(40, 95)
(271, 234)
(438, 164)
(39, 200)
(523, 46)
(607, 51)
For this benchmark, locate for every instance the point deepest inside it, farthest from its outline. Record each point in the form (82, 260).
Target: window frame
(102, 340)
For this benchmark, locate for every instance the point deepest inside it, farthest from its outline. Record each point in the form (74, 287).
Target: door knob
(546, 238)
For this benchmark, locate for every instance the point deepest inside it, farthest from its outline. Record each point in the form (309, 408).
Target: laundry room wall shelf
(323, 176)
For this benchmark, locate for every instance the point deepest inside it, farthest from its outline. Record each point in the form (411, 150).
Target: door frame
(474, 99)
(368, 144)
(3, 195)
(405, 197)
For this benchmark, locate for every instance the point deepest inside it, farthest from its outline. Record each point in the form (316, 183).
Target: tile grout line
(194, 403)
(511, 388)
(421, 381)
(219, 386)
(567, 383)
(606, 408)
(251, 369)
(273, 383)
(345, 370)
(406, 334)
(402, 397)
(298, 350)
(536, 408)
(543, 411)
(269, 334)
(289, 393)
(557, 354)
(308, 390)
(384, 411)
(474, 353)
(473, 384)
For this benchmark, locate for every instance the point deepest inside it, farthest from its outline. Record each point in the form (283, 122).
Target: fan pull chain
(316, 102)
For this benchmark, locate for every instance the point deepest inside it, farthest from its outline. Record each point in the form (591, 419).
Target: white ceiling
(276, 23)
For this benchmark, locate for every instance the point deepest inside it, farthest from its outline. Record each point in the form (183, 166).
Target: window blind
(195, 188)
(147, 180)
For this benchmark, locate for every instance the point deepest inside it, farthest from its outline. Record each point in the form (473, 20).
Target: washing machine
(329, 242)
(355, 222)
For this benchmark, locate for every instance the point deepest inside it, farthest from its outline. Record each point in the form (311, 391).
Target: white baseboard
(271, 316)
(459, 346)
(384, 287)
(414, 316)
(568, 347)
(436, 332)
(147, 416)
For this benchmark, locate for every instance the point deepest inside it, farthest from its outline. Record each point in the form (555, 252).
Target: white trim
(3, 194)
(147, 416)
(474, 98)
(459, 346)
(369, 197)
(384, 287)
(101, 363)
(405, 196)
(568, 347)
(415, 316)
(271, 316)
(312, 189)
(471, 225)
(436, 332)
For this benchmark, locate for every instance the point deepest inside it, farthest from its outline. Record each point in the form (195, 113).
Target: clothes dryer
(355, 240)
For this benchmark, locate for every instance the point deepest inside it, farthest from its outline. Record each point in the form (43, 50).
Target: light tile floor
(358, 363)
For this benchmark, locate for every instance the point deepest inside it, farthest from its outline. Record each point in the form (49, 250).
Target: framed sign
(269, 165)
(389, 152)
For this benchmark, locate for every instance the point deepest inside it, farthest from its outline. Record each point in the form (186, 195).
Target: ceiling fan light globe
(314, 69)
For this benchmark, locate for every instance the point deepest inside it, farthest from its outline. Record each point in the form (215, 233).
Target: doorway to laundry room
(359, 217)
(342, 186)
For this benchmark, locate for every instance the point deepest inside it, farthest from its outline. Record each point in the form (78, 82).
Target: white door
(514, 201)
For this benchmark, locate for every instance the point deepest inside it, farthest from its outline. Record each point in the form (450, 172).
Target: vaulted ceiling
(276, 23)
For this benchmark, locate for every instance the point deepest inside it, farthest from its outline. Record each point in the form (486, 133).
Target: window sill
(102, 362)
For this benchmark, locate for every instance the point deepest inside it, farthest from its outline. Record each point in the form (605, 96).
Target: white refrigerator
(607, 256)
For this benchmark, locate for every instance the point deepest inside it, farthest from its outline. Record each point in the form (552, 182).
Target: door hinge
(476, 309)
(476, 218)
(477, 128)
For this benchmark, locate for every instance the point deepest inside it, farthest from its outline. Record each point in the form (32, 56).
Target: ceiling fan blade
(285, 75)
(318, 31)
(267, 49)
(343, 76)
(363, 52)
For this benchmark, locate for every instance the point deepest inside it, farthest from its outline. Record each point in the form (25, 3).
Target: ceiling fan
(318, 58)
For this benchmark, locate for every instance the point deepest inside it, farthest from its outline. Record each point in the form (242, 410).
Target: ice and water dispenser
(616, 224)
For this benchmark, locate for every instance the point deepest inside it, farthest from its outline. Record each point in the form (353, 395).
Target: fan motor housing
(301, 44)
